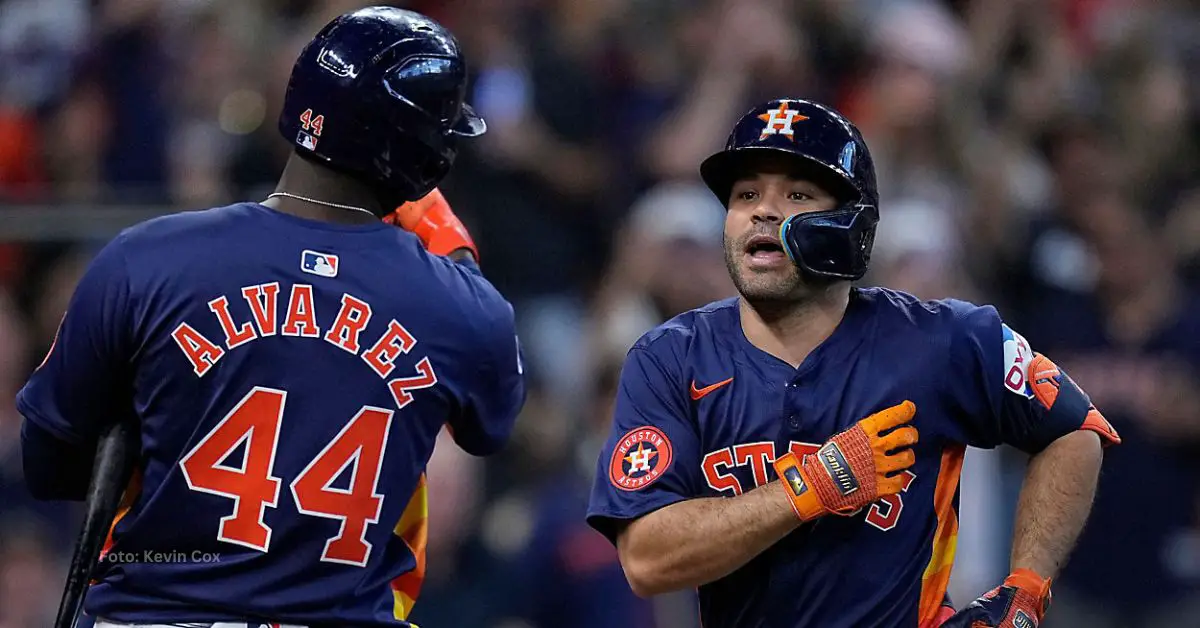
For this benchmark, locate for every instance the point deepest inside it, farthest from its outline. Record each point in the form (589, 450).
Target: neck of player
(791, 330)
(311, 181)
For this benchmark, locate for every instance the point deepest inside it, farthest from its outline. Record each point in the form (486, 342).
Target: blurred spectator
(38, 41)
(668, 259)
(569, 575)
(123, 91)
(29, 589)
(532, 188)
(735, 53)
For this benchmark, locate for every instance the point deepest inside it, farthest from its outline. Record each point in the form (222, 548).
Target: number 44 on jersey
(255, 421)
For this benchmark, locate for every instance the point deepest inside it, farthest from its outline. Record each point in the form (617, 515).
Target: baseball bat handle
(116, 453)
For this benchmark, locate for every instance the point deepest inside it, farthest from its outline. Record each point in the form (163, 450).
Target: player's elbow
(484, 434)
(1082, 445)
(641, 577)
(644, 572)
(1081, 451)
(53, 469)
(478, 444)
(648, 578)
(54, 489)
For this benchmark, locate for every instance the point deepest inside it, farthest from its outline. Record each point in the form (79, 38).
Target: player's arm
(82, 385)
(666, 538)
(1029, 402)
(433, 221)
(694, 542)
(1055, 501)
(496, 390)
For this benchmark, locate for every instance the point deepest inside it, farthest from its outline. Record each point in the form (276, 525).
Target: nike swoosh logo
(699, 393)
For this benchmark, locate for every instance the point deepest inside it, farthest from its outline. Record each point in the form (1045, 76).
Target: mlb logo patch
(320, 264)
(306, 140)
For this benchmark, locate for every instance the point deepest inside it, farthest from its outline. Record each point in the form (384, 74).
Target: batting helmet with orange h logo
(826, 148)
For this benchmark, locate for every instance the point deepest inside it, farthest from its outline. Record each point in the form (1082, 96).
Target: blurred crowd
(1040, 155)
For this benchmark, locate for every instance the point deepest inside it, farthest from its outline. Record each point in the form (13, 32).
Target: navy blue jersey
(701, 412)
(289, 378)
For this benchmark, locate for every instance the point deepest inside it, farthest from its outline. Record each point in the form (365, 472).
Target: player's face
(754, 255)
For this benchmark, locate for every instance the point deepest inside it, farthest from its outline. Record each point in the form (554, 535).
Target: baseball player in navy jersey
(290, 363)
(794, 452)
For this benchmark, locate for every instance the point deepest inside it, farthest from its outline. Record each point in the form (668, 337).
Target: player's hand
(854, 468)
(1020, 602)
(432, 220)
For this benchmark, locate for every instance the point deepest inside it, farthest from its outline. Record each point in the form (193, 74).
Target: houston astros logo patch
(780, 121)
(640, 458)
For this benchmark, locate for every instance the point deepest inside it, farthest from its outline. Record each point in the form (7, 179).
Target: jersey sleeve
(1007, 393)
(651, 457)
(491, 404)
(84, 383)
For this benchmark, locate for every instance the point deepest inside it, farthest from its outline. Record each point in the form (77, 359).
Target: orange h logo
(780, 121)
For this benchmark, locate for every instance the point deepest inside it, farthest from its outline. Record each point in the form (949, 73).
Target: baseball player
(794, 452)
(291, 362)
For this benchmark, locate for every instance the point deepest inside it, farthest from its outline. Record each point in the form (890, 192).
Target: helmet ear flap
(831, 245)
(423, 169)
(866, 244)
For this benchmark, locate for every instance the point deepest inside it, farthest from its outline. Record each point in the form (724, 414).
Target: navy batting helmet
(379, 94)
(827, 148)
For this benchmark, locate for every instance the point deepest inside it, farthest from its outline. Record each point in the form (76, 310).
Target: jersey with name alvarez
(290, 378)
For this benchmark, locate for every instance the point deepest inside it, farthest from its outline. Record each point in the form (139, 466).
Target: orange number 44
(255, 420)
(309, 121)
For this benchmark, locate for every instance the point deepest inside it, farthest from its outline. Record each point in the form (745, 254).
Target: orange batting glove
(434, 223)
(1021, 602)
(851, 469)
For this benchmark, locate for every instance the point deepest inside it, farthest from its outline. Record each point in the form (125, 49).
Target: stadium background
(1041, 155)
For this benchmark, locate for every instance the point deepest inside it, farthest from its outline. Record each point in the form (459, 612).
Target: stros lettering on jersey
(701, 412)
(290, 378)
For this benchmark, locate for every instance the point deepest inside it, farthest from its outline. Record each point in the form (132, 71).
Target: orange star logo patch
(780, 121)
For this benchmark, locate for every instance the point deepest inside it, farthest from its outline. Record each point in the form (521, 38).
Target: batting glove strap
(802, 497)
(851, 469)
(839, 478)
(433, 221)
(1032, 591)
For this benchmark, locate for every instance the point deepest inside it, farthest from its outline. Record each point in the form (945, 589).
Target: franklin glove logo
(835, 464)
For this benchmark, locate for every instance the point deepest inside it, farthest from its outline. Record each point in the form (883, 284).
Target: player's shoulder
(671, 341)
(466, 285)
(944, 317)
(188, 222)
(177, 232)
(160, 244)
